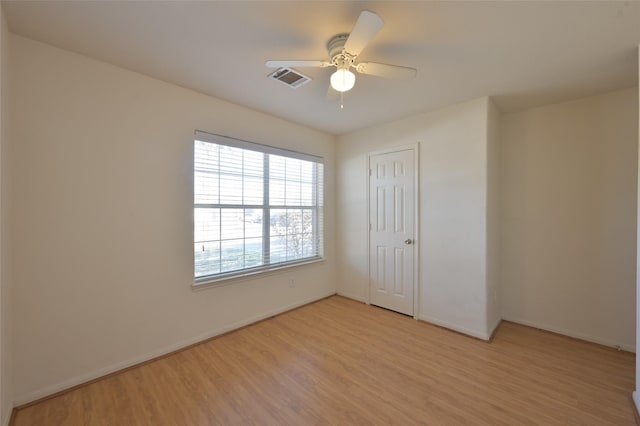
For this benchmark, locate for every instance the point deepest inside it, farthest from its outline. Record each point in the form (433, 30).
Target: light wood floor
(341, 362)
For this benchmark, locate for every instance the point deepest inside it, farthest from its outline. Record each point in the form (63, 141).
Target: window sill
(212, 282)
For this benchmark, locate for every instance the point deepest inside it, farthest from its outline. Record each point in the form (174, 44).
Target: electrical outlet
(292, 283)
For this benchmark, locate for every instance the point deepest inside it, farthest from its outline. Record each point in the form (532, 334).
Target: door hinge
(370, 172)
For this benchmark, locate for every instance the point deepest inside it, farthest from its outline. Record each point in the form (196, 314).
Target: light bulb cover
(343, 80)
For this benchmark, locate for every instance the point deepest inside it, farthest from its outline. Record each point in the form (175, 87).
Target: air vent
(290, 77)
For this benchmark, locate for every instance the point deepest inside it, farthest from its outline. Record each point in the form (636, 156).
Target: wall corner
(6, 328)
(635, 394)
(493, 216)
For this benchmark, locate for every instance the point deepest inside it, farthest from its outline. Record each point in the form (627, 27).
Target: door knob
(408, 241)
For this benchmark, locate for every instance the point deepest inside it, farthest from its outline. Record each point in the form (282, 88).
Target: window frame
(266, 207)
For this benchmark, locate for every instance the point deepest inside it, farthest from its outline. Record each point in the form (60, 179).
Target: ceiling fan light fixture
(343, 51)
(343, 80)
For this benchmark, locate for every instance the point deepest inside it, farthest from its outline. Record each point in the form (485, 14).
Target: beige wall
(103, 229)
(6, 368)
(453, 196)
(569, 217)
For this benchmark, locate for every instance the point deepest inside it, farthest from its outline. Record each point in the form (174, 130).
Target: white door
(391, 235)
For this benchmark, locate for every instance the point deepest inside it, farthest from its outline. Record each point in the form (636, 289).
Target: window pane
(292, 169)
(306, 171)
(278, 222)
(230, 203)
(293, 193)
(253, 163)
(278, 252)
(294, 220)
(206, 172)
(232, 255)
(252, 223)
(207, 258)
(319, 193)
(287, 228)
(206, 224)
(230, 189)
(253, 252)
(276, 167)
(276, 192)
(253, 190)
(230, 159)
(306, 194)
(308, 236)
(232, 223)
(294, 234)
(205, 187)
(206, 156)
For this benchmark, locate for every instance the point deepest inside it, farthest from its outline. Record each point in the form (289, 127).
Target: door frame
(415, 147)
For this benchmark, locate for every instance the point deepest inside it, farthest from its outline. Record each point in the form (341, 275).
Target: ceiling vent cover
(290, 77)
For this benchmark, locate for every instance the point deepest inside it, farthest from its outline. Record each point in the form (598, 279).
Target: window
(255, 207)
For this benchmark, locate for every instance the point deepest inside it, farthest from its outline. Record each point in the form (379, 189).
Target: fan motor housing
(336, 45)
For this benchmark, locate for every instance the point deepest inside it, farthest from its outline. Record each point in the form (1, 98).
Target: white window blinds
(255, 207)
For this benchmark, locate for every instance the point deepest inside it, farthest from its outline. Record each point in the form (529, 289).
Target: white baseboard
(96, 374)
(636, 400)
(352, 296)
(594, 339)
(474, 333)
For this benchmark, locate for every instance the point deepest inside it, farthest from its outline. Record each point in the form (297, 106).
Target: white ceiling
(522, 53)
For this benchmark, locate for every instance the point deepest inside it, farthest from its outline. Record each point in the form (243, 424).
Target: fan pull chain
(341, 100)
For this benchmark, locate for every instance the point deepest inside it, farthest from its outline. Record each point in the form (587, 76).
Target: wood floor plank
(338, 362)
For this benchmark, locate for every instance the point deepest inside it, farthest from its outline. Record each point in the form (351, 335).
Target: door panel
(392, 224)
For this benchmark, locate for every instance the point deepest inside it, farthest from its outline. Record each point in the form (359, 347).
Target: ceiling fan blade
(387, 71)
(367, 26)
(302, 64)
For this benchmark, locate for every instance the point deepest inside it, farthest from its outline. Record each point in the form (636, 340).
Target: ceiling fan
(343, 51)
